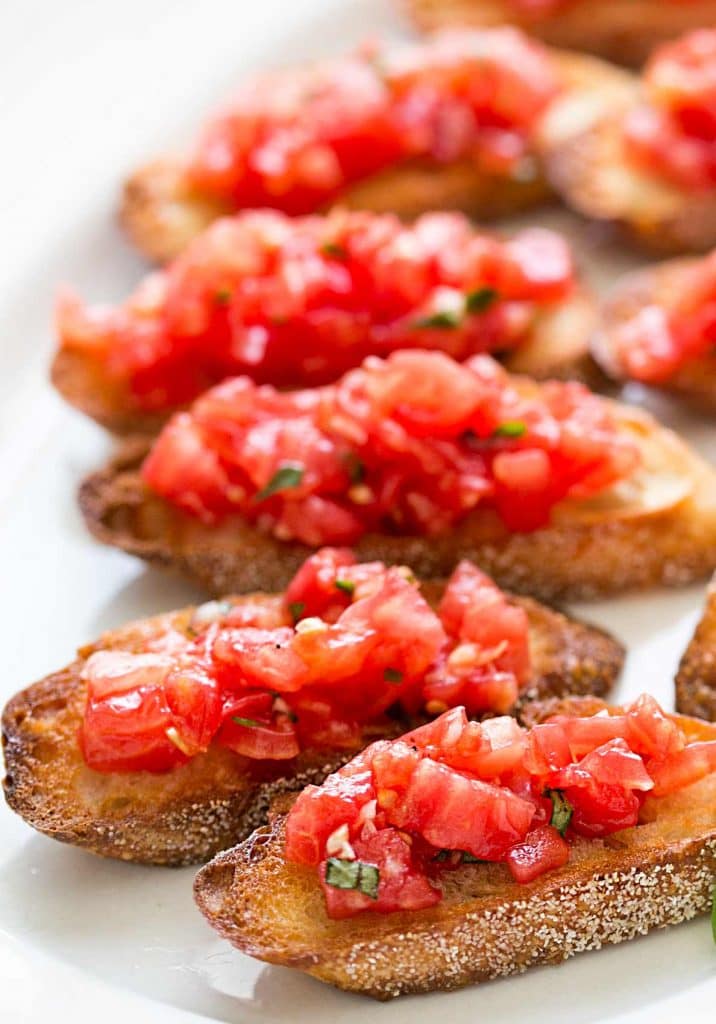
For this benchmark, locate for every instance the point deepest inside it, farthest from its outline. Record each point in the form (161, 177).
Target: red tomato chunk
(673, 132)
(413, 444)
(663, 336)
(455, 791)
(299, 302)
(345, 643)
(298, 139)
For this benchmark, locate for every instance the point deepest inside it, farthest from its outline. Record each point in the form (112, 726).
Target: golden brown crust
(187, 815)
(696, 677)
(622, 32)
(487, 926)
(667, 536)
(585, 160)
(696, 380)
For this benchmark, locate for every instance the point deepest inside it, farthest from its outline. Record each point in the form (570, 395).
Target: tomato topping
(299, 302)
(269, 678)
(455, 791)
(297, 139)
(673, 132)
(673, 329)
(412, 443)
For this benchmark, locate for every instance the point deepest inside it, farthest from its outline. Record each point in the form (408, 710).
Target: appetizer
(420, 460)
(299, 301)
(696, 677)
(442, 124)
(648, 161)
(465, 851)
(164, 741)
(659, 327)
(623, 31)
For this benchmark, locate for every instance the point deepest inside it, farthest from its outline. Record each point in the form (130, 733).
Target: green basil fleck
(480, 299)
(222, 296)
(347, 586)
(296, 609)
(337, 252)
(250, 723)
(444, 320)
(393, 675)
(510, 428)
(353, 874)
(354, 468)
(283, 479)
(561, 810)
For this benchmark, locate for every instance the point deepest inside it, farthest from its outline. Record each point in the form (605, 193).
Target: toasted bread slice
(622, 32)
(557, 349)
(161, 214)
(657, 527)
(695, 381)
(582, 148)
(188, 814)
(696, 677)
(658, 873)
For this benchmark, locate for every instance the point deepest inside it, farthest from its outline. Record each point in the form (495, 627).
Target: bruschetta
(696, 677)
(417, 459)
(299, 301)
(658, 327)
(644, 161)
(619, 31)
(424, 864)
(442, 124)
(164, 741)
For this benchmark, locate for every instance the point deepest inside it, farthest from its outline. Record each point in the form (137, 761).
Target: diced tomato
(599, 809)
(683, 768)
(314, 589)
(258, 741)
(194, 699)
(401, 886)
(320, 810)
(542, 850)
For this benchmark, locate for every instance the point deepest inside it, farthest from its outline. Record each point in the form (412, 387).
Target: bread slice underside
(659, 873)
(658, 527)
(186, 815)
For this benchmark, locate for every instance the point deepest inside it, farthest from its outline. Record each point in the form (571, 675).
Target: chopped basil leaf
(441, 320)
(458, 857)
(334, 250)
(222, 296)
(713, 913)
(469, 858)
(347, 586)
(561, 810)
(353, 874)
(296, 609)
(393, 675)
(354, 467)
(250, 723)
(282, 480)
(480, 299)
(510, 428)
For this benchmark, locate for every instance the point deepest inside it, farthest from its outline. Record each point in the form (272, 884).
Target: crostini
(299, 301)
(619, 31)
(696, 676)
(416, 459)
(442, 124)
(646, 160)
(465, 851)
(658, 327)
(164, 741)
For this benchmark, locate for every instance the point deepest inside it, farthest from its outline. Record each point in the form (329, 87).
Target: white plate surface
(87, 89)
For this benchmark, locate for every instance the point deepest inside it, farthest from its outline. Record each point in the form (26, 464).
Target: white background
(88, 89)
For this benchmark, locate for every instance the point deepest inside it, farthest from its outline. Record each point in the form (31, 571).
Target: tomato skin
(314, 585)
(320, 810)
(194, 699)
(260, 742)
(542, 850)
(600, 809)
(683, 768)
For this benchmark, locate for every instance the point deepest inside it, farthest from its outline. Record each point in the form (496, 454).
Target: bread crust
(696, 676)
(625, 33)
(161, 214)
(695, 381)
(487, 925)
(188, 814)
(668, 536)
(585, 161)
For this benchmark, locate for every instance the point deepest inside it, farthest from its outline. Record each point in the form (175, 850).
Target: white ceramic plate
(86, 90)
